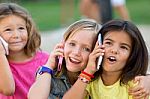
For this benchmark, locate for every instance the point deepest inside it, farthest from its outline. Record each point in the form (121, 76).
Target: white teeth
(112, 57)
(72, 59)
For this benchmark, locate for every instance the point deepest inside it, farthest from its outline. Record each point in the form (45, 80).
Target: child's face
(77, 49)
(13, 30)
(117, 50)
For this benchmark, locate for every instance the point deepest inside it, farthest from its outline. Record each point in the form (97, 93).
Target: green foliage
(139, 11)
(47, 13)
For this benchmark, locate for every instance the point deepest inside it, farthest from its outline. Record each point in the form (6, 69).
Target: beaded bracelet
(84, 80)
(85, 76)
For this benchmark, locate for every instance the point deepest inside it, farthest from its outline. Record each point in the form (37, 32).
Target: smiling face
(13, 30)
(117, 50)
(77, 49)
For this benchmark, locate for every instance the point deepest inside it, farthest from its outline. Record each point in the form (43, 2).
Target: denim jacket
(58, 87)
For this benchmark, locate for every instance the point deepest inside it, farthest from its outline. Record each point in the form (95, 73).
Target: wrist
(88, 71)
(87, 74)
(45, 69)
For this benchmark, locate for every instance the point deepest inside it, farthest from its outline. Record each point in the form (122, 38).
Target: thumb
(137, 79)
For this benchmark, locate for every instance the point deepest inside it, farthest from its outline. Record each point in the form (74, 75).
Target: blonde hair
(34, 38)
(84, 24)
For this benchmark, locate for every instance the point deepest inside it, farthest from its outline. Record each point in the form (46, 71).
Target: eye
(72, 44)
(8, 29)
(21, 28)
(107, 43)
(87, 49)
(124, 47)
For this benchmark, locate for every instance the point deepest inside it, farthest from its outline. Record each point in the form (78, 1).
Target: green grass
(47, 13)
(139, 11)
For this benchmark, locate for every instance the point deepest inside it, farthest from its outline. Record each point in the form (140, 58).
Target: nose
(114, 50)
(77, 51)
(16, 34)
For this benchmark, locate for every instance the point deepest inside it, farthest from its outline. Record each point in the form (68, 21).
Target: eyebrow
(88, 45)
(121, 43)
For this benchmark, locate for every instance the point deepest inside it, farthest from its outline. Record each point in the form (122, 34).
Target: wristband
(44, 69)
(85, 76)
(90, 75)
(84, 80)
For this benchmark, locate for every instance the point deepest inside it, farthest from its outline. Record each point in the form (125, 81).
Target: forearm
(41, 88)
(77, 91)
(7, 84)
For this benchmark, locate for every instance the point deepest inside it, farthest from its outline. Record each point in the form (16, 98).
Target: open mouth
(112, 59)
(75, 61)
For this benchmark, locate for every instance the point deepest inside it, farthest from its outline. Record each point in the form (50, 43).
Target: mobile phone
(60, 60)
(5, 45)
(100, 57)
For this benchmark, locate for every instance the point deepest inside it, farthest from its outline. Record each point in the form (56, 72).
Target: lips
(15, 43)
(74, 60)
(112, 59)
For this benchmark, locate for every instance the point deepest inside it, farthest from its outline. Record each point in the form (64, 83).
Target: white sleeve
(118, 2)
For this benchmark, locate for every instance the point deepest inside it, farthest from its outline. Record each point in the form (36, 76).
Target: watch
(44, 69)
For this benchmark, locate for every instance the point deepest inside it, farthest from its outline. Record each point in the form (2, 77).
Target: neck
(109, 78)
(72, 77)
(18, 56)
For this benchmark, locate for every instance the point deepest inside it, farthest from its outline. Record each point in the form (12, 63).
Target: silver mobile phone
(100, 57)
(5, 45)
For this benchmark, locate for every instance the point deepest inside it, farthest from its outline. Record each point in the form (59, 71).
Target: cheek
(25, 38)
(66, 51)
(85, 58)
(125, 55)
(6, 37)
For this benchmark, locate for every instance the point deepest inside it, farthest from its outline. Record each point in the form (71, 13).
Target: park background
(53, 14)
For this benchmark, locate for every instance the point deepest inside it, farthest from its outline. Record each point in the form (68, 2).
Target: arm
(142, 88)
(7, 84)
(42, 86)
(78, 90)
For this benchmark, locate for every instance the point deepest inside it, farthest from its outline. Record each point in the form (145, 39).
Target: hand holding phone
(100, 57)
(5, 45)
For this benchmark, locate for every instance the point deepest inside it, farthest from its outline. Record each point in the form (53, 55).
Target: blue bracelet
(44, 69)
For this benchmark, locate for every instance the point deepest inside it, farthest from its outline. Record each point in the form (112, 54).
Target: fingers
(58, 51)
(97, 51)
(141, 89)
(136, 79)
(139, 94)
(146, 97)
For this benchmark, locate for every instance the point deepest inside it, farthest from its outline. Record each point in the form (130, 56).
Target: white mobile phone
(5, 45)
(100, 57)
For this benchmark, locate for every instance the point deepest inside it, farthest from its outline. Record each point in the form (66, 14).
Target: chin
(73, 70)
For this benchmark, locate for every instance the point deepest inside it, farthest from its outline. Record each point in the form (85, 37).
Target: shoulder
(41, 55)
(93, 85)
(40, 58)
(59, 86)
